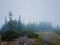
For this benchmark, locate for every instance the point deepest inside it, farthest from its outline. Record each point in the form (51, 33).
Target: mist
(31, 11)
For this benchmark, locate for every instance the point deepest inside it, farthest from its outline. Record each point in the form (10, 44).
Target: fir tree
(19, 25)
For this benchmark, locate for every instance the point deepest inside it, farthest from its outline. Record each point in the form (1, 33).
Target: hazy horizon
(31, 10)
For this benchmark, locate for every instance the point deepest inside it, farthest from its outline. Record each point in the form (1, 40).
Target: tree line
(16, 28)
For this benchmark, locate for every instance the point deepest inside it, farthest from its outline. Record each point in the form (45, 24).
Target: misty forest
(42, 33)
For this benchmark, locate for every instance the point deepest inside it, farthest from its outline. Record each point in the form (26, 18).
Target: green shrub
(32, 35)
(9, 35)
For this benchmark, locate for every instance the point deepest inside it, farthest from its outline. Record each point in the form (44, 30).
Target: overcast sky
(31, 10)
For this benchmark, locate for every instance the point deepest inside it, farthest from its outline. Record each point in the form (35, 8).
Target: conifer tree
(19, 25)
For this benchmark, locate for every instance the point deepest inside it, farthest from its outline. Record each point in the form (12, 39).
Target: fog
(31, 10)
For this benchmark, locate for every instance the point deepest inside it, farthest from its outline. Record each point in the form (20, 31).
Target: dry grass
(38, 41)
